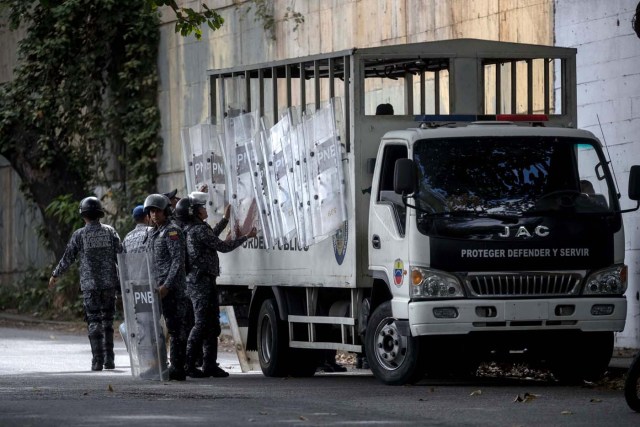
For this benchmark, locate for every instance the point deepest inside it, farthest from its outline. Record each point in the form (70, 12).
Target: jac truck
(480, 224)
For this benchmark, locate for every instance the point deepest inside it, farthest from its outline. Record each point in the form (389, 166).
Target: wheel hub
(391, 347)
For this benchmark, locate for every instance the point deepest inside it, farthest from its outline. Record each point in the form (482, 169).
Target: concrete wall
(20, 247)
(608, 66)
(8, 52)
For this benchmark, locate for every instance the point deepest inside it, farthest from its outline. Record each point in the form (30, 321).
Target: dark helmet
(198, 198)
(158, 201)
(184, 209)
(91, 207)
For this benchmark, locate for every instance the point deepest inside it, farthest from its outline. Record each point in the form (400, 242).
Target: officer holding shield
(203, 245)
(166, 242)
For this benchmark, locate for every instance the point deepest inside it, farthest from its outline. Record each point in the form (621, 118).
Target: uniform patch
(173, 235)
(398, 272)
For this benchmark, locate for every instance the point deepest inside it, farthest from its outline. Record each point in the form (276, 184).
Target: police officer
(203, 245)
(96, 246)
(166, 242)
(135, 240)
(173, 198)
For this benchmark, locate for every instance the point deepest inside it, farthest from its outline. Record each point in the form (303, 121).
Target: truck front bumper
(583, 314)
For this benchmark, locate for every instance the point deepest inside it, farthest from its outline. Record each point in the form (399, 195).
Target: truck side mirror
(634, 183)
(404, 177)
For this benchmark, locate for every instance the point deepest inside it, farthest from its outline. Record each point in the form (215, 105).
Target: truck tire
(582, 357)
(393, 359)
(632, 385)
(273, 344)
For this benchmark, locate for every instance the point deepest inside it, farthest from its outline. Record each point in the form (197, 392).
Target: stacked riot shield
(325, 173)
(204, 166)
(238, 132)
(287, 180)
(144, 334)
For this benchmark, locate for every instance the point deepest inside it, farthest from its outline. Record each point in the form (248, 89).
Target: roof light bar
(452, 118)
(522, 117)
(481, 117)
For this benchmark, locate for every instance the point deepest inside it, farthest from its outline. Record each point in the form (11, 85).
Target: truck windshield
(511, 176)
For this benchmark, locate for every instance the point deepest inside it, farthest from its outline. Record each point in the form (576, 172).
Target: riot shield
(325, 173)
(239, 131)
(145, 338)
(296, 168)
(203, 158)
(262, 192)
(282, 198)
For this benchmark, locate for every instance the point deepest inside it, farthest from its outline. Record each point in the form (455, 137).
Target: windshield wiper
(466, 213)
(479, 214)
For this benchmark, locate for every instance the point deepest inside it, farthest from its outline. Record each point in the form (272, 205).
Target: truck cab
(501, 238)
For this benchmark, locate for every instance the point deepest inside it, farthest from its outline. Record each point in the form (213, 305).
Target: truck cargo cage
(481, 77)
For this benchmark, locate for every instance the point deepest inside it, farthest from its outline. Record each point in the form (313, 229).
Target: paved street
(45, 381)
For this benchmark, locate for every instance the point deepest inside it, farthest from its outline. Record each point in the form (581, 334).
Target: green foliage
(81, 114)
(188, 20)
(263, 10)
(32, 296)
(84, 92)
(65, 209)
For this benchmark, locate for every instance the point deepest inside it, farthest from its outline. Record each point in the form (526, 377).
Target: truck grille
(523, 284)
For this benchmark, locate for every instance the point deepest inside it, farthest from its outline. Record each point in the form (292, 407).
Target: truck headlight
(609, 281)
(434, 284)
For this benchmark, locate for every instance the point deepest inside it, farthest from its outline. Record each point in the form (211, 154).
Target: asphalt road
(45, 381)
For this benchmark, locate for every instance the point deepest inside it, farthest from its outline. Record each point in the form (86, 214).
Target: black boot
(97, 349)
(176, 374)
(190, 367)
(210, 367)
(109, 357)
(178, 361)
(214, 371)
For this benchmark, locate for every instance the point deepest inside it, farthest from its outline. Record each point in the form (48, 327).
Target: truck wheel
(393, 359)
(583, 357)
(273, 345)
(632, 385)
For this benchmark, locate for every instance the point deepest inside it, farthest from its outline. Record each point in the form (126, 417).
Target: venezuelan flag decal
(398, 272)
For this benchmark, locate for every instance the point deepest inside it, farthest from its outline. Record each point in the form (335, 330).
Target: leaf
(526, 397)
(476, 393)
(110, 388)
(566, 413)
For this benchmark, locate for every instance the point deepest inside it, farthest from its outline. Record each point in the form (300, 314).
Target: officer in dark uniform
(166, 242)
(135, 240)
(173, 198)
(96, 246)
(203, 245)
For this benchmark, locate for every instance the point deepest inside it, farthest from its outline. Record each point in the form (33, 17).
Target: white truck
(481, 223)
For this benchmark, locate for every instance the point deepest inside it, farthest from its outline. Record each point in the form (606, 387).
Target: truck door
(388, 251)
